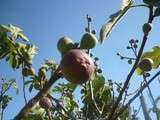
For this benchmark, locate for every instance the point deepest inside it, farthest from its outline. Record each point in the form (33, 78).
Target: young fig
(147, 28)
(145, 65)
(65, 44)
(88, 41)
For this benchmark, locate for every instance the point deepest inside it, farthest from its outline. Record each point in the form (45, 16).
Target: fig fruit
(147, 28)
(145, 65)
(28, 72)
(77, 66)
(65, 44)
(45, 102)
(88, 41)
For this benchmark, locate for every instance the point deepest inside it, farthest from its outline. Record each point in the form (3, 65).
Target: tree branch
(150, 19)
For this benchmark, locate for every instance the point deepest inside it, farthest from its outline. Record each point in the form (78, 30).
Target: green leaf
(139, 71)
(98, 82)
(4, 28)
(15, 86)
(154, 55)
(105, 93)
(10, 83)
(24, 38)
(5, 100)
(114, 19)
(15, 31)
(71, 86)
(157, 12)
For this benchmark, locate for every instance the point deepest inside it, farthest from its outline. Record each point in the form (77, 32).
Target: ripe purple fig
(45, 102)
(77, 66)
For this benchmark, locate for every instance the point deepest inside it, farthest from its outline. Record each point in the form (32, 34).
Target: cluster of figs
(76, 65)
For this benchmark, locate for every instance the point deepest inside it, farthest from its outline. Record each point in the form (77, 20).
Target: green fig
(145, 65)
(147, 28)
(65, 44)
(88, 41)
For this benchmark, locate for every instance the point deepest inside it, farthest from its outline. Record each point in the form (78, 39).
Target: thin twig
(140, 5)
(24, 91)
(2, 113)
(139, 108)
(152, 98)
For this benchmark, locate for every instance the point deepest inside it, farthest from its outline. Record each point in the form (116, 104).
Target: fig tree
(88, 41)
(77, 66)
(45, 102)
(65, 44)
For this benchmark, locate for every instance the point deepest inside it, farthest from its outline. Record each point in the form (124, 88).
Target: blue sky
(45, 21)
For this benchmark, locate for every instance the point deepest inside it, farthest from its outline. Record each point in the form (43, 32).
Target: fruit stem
(88, 23)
